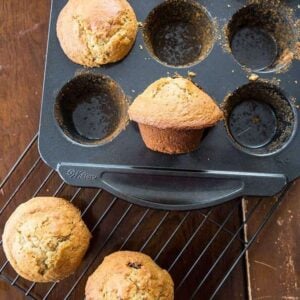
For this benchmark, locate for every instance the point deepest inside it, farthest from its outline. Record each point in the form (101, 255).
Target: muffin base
(171, 141)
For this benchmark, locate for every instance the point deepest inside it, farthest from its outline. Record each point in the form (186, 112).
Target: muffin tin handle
(172, 192)
(163, 189)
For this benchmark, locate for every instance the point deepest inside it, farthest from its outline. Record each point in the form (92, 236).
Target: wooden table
(273, 268)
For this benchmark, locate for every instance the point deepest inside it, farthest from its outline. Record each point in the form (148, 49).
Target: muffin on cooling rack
(45, 239)
(94, 33)
(172, 114)
(129, 275)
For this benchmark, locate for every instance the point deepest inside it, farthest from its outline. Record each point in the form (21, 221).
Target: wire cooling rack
(203, 250)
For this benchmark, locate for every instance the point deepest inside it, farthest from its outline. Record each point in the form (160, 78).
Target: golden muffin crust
(96, 32)
(175, 103)
(129, 276)
(45, 239)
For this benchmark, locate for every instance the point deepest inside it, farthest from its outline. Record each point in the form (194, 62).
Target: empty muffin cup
(179, 33)
(91, 109)
(260, 120)
(261, 37)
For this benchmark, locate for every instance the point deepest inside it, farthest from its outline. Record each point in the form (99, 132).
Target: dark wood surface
(273, 262)
(23, 36)
(274, 259)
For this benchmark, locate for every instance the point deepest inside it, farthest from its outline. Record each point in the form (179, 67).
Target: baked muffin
(45, 239)
(129, 276)
(172, 113)
(96, 32)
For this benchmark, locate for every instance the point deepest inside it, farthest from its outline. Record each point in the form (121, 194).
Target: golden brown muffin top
(129, 276)
(45, 239)
(96, 32)
(175, 103)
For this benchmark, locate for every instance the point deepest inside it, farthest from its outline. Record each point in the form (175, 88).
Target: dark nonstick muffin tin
(85, 134)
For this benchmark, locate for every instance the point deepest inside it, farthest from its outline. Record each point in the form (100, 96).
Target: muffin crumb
(192, 74)
(253, 77)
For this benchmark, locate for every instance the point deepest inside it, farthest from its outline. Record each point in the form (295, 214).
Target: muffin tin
(85, 134)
